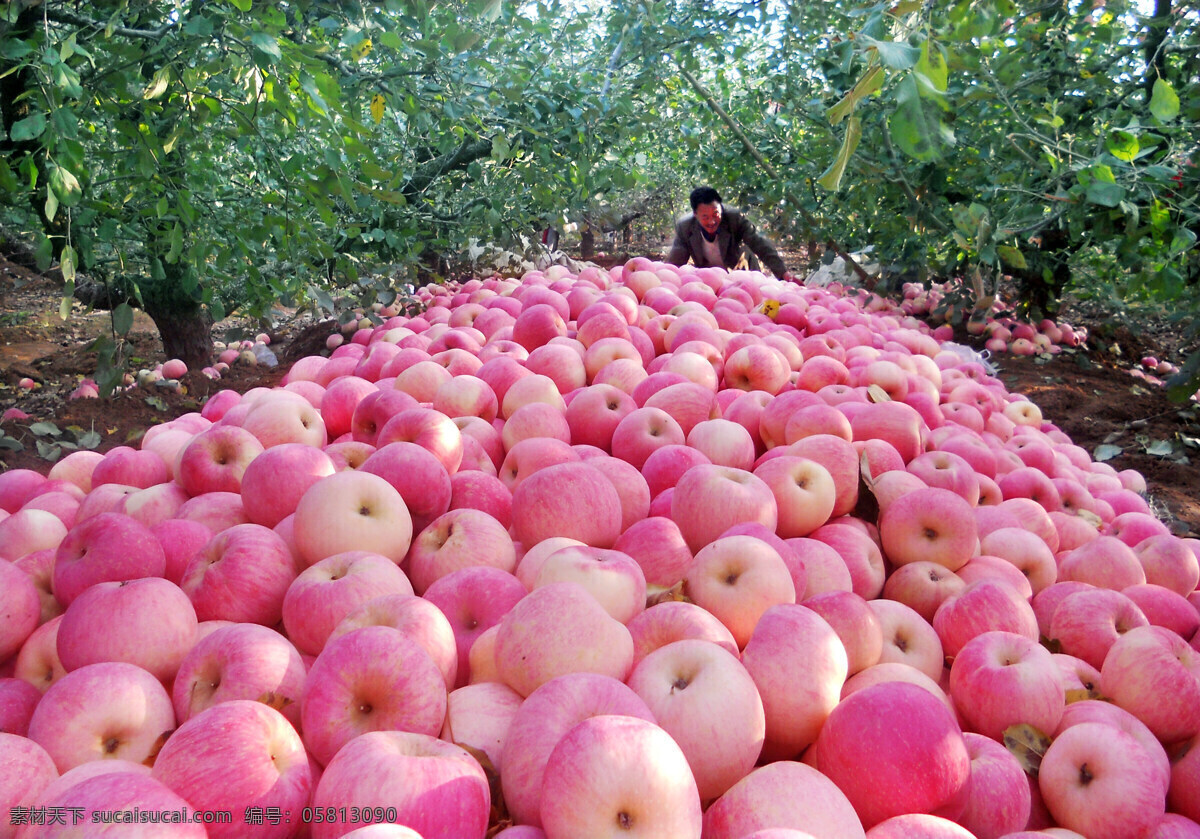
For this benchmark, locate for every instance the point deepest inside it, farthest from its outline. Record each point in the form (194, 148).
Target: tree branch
(72, 19)
(466, 153)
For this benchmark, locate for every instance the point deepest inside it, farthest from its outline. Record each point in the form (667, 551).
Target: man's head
(706, 206)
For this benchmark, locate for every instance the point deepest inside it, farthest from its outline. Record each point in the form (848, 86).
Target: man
(715, 236)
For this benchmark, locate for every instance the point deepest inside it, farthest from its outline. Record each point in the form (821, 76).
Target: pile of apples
(1001, 334)
(648, 551)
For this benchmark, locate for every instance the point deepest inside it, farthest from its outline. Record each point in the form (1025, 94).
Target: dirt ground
(1091, 394)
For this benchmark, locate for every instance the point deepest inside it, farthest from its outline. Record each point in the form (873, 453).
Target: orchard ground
(1092, 394)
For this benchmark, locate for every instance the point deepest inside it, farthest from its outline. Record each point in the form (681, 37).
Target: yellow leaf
(1028, 745)
(770, 308)
(377, 107)
(362, 50)
(877, 394)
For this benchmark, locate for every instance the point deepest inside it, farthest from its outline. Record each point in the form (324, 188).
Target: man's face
(709, 216)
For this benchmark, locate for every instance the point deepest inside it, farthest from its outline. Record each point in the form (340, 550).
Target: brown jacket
(734, 232)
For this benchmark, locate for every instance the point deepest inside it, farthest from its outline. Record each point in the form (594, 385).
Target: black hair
(704, 195)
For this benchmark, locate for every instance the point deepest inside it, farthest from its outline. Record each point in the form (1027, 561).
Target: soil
(1092, 394)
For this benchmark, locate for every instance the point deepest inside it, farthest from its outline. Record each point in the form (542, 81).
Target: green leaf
(932, 68)
(68, 260)
(267, 45)
(893, 54)
(29, 128)
(832, 178)
(45, 429)
(89, 440)
(1106, 452)
(1012, 256)
(870, 82)
(122, 318)
(913, 131)
(51, 208)
(1164, 101)
(65, 186)
(157, 85)
(1123, 145)
(1105, 194)
(176, 244)
(242, 5)
(1160, 448)
(489, 10)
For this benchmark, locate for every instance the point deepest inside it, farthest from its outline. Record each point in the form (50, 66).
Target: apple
(983, 606)
(473, 600)
(29, 771)
(709, 499)
(999, 802)
(595, 412)
(613, 773)
(1087, 623)
(908, 638)
(478, 718)
(417, 619)
(855, 624)
(676, 620)
(242, 574)
(217, 511)
(459, 539)
(1153, 673)
(1000, 679)
(351, 510)
(148, 622)
(931, 525)
(657, 545)
(557, 629)
(1098, 780)
(1093, 710)
(737, 578)
(1105, 562)
(804, 493)
(235, 756)
(372, 679)
(327, 591)
(216, 459)
(131, 722)
(1166, 608)
(529, 456)
(435, 787)
(18, 698)
(1169, 562)
(239, 661)
(541, 721)
(131, 467)
(20, 606)
(37, 663)
(893, 748)
(922, 586)
(104, 548)
(574, 500)
(274, 482)
(859, 551)
(374, 410)
(642, 431)
(1024, 550)
(110, 804)
(784, 794)
(799, 664)
(706, 700)
(614, 579)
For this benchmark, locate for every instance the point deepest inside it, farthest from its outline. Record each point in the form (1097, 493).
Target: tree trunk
(186, 333)
(587, 242)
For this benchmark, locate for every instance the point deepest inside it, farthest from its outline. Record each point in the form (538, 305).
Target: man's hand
(789, 277)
